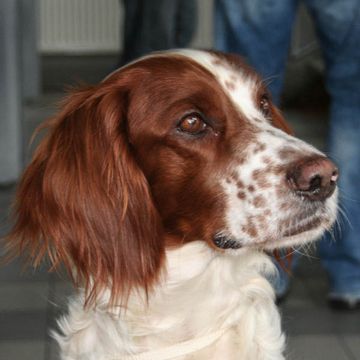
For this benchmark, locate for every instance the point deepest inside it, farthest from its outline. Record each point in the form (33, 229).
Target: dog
(161, 190)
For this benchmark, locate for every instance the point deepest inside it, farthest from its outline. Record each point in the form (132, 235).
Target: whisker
(344, 196)
(306, 253)
(343, 216)
(268, 80)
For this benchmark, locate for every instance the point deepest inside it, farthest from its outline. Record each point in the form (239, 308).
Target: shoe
(344, 302)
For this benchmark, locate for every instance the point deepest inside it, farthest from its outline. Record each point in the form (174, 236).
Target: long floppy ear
(84, 202)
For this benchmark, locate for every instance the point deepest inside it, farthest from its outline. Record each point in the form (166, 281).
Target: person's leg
(131, 20)
(186, 22)
(148, 26)
(338, 25)
(260, 30)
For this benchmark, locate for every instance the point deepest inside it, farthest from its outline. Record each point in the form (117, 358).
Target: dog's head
(175, 147)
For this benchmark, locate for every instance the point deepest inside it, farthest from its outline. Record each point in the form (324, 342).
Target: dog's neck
(201, 292)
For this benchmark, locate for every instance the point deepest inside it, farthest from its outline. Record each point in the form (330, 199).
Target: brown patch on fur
(288, 154)
(259, 148)
(251, 188)
(263, 183)
(240, 184)
(276, 169)
(258, 174)
(250, 229)
(285, 206)
(266, 160)
(240, 160)
(234, 176)
(259, 201)
(261, 220)
(241, 195)
(260, 177)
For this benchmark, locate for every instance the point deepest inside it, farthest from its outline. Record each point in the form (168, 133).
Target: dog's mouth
(310, 223)
(305, 231)
(295, 231)
(225, 242)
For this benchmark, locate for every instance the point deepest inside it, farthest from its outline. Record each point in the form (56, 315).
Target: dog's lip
(307, 225)
(311, 223)
(229, 243)
(225, 242)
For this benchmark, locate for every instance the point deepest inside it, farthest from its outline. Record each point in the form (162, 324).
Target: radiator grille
(80, 26)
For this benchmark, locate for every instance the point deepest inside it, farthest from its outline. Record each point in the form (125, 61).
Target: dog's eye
(192, 124)
(265, 105)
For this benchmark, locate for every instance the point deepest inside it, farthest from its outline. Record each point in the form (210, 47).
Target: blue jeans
(157, 25)
(260, 30)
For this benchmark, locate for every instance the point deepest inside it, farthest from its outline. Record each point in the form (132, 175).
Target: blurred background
(47, 45)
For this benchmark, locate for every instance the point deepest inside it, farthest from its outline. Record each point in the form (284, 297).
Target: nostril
(315, 183)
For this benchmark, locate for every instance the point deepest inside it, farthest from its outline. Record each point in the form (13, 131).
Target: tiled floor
(30, 302)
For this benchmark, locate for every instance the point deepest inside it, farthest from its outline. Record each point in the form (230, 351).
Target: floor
(31, 300)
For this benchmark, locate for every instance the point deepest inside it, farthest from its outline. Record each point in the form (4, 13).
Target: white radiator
(80, 26)
(95, 26)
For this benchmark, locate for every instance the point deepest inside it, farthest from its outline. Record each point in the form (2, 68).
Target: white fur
(203, 291)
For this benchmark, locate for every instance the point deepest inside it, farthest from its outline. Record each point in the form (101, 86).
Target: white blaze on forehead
(240, 87)
(237, 84)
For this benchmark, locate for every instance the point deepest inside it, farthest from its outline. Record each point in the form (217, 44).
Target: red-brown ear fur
(84, 202)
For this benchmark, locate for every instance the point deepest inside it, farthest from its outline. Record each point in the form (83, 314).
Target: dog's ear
(84, 202)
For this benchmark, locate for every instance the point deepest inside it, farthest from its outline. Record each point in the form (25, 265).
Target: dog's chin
(235, 246)
(298, 236)
(289, 239)
(294, 240)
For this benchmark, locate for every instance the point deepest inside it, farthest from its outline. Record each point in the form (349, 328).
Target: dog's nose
(313, 178)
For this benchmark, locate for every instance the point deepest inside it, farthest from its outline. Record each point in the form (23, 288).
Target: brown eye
(192, 124)
(265, 105)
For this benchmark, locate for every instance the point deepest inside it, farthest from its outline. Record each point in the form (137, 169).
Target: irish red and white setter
(160, 189)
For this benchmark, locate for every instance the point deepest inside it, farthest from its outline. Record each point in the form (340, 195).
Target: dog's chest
(222, 309)
(226, 347)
